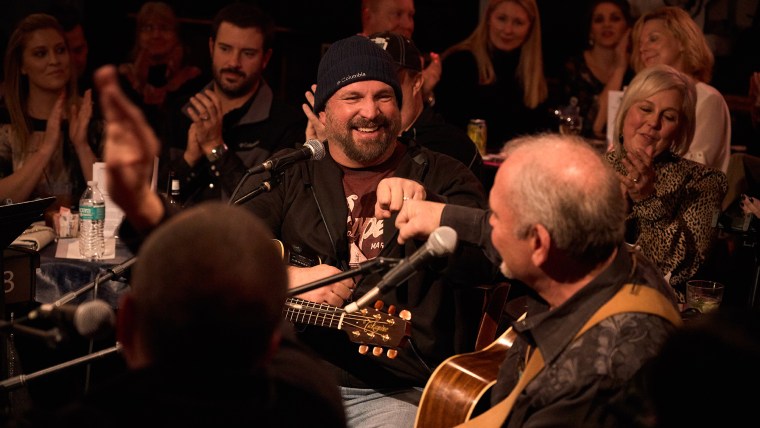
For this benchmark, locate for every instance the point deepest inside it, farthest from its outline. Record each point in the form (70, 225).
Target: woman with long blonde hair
(497, 73)
(44, 146)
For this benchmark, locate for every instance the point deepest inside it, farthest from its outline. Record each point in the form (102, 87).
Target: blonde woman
(44, 147)
(497, 74)
(671, 199)
(669, 36)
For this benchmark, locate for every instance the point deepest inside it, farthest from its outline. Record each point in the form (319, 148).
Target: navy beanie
(350, 60)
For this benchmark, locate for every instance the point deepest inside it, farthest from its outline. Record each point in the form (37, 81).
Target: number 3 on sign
(8, 283)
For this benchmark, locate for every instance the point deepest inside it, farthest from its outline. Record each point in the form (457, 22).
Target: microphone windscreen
(94, 318)
(442, 241)
(317, 148)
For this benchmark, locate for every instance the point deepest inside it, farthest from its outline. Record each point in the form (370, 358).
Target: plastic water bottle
(92, 218)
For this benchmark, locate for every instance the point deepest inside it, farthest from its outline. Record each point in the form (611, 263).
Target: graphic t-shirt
(365, 231)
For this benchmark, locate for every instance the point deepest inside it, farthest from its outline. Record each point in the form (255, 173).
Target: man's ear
(266, 58)
(274, 345)
(126, 329)
(419, 80)
(211, 48)
(541, 243)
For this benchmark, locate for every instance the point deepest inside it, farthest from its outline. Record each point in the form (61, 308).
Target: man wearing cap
(418, 121)
(339, 209)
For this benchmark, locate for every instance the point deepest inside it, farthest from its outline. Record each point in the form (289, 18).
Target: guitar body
(457, 384)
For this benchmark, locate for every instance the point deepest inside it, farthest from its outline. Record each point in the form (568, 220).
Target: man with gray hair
(557, 224)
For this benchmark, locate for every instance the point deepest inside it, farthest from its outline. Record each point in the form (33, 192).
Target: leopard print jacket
(674, 227)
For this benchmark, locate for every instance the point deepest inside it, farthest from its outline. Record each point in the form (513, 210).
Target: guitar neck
(306, 312)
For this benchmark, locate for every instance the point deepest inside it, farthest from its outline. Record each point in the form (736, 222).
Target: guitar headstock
(370, 326)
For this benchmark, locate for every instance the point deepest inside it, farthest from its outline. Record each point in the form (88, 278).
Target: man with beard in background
(235, 122)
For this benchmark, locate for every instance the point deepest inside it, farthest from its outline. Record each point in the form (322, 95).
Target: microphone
(91, 319)
(312, 149)
(441, 242)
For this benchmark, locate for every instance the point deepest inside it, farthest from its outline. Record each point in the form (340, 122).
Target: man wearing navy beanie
(340, 209)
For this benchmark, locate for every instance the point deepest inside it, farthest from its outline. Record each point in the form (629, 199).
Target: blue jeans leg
(371, 408)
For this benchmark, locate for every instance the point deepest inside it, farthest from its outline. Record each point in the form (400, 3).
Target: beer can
(477, 132)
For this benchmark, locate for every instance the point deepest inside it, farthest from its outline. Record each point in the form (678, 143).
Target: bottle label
(92, 213)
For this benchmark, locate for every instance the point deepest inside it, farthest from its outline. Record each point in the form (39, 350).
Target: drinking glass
(704, 296)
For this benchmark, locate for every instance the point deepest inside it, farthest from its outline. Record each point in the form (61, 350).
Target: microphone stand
(16, 382)
(265, 186)
(51, 337)
(378, 264)
(116, 271)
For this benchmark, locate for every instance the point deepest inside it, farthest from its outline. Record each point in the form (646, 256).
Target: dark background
(306, 27)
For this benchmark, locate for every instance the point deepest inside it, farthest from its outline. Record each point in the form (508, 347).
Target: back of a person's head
(245, 15)
(565, 185)
(697, 58)
(208, 289)
(650, 81)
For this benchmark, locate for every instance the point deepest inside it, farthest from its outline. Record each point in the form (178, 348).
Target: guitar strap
(630, 298)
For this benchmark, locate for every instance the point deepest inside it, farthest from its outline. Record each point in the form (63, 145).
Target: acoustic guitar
(367, 326)
(457, 385)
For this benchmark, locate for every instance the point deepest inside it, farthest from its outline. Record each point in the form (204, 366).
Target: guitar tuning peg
(377, 351)
(405, 315)
(392, 353)
(379, 305)
(363, 349)
(391, 310)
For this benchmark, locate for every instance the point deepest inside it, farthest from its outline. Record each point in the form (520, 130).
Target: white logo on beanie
(351, 77)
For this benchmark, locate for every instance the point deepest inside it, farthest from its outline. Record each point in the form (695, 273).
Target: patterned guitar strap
(630, 298)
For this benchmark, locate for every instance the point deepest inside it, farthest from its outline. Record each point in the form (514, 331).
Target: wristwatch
(217, 153)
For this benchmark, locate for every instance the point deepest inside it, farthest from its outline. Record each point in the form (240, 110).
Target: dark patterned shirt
(584, 377)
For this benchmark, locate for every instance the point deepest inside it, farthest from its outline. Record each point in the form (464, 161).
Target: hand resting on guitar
(334, 294)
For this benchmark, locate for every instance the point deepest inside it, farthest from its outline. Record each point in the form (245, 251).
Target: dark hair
(244, 15)
(623, 5)
(232, 292)
(68, 16)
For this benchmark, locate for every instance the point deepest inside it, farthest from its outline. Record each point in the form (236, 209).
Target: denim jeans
(370, 408)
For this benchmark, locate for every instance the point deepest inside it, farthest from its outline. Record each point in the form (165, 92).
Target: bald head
(209, 274)
(562, 183)
(396, 16)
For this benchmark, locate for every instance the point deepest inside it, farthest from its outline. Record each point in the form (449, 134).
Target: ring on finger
(205, 117)
(405, 198)
(635, 180)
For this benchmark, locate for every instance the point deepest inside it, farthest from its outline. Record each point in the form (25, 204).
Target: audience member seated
(497, 74)
(672, 200)
(669, 36)
(46, 147)
(397, 16)
(556, 223)
(159, 68)
(601, 67)
(235, 122)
